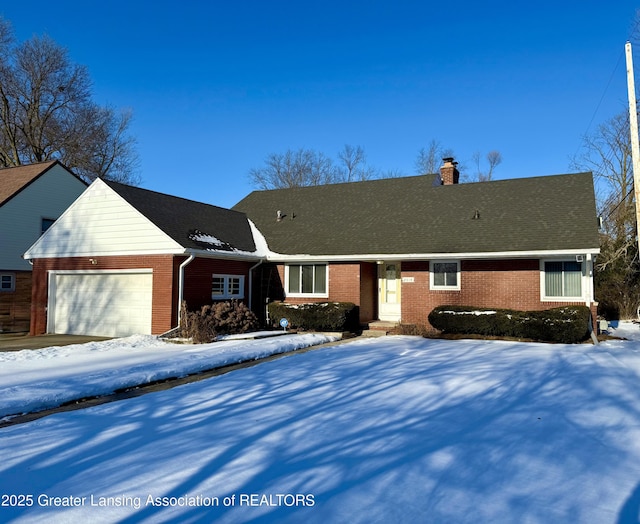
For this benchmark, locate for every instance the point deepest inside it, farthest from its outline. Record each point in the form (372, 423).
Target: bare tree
(607, 153)
(46, 113)
(304, 167)
(353, 164)
(493, 158)
(429, 159)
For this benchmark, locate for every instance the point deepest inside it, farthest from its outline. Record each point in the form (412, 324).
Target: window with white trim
(444, 275)
(307, 280)
(7, 282)
(562, 279)
(227, 286)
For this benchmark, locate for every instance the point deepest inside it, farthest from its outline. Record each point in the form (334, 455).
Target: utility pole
(633, 129)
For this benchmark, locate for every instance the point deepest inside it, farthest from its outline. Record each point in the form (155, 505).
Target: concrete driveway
(17, 341)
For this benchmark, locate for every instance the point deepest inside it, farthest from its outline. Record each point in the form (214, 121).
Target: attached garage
(110, 303)
(121, 259)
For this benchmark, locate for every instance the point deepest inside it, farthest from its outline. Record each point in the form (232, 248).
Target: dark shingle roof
(412, 216)
(183, 220)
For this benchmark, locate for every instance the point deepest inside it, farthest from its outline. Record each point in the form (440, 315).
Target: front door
(389, 291)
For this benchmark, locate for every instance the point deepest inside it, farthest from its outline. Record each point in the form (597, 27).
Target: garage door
(100, 303)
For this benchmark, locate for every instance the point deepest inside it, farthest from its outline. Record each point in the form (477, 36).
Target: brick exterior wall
(511, 284)
(198, 277)
(164, 315)
(15, 306)
(368, 292)
(348, 282)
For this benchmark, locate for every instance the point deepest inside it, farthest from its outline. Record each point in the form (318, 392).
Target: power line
(618, 204)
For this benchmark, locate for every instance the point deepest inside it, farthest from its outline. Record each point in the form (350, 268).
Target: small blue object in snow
(284, 323)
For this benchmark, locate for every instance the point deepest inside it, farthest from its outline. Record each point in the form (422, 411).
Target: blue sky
(217, 86)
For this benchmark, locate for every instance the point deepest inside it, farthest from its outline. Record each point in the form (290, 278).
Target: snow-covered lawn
(397, 429)
(33, 380)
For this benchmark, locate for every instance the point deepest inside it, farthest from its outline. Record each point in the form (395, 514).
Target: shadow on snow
(393, 430)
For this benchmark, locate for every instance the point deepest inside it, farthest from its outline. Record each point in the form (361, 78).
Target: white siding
(101, 222)
(21, 217)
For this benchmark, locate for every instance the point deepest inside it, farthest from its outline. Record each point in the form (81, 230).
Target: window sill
(306, 295)
(563, 299)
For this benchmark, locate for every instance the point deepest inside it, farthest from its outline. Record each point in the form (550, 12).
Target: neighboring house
(399, 247)
(31, 198)
(121, 259)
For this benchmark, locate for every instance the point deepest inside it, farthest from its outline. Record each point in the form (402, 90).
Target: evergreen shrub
(567, 324)
(322, 316)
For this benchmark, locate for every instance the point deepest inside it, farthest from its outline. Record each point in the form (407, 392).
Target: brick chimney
(449, 173)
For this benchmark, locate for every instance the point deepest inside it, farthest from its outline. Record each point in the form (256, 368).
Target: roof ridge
(407, 179)
(34, 164)
(167, 195)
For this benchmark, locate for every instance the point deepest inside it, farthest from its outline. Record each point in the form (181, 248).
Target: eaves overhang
(373, 257)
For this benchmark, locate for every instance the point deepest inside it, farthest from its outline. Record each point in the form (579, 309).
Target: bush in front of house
(222, 318)
(567, 324)
(323, 316)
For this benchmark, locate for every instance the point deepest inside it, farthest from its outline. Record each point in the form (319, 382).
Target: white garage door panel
(102, 304)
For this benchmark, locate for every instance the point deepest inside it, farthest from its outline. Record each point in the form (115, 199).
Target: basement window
(307, 280)
(227, 287)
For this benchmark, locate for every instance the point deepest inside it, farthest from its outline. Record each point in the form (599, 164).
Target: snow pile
(262, 249)
(475, 312)
(209, 239)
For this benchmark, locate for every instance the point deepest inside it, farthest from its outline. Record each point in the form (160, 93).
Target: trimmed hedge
(323, 316)
(568, 324)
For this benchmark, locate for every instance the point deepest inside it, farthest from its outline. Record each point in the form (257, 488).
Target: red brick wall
(198, 278)
(368, 292)
(197, 283)
(348, 282)
(512, 284)
(163, 315)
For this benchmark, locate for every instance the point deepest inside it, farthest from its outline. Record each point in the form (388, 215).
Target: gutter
(372, 257)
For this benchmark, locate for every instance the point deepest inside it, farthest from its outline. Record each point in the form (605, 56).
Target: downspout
(590, 289)
(590, 298)
(251, 282)
(181, 284)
